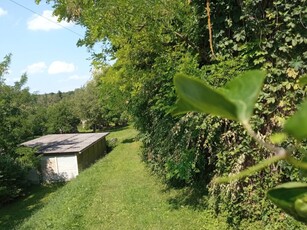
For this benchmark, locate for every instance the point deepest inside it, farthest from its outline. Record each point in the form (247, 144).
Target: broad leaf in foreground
(202, 98)
(303, 80)
(244, 91)
(296, 125)
(235, 101)
(292, 198)
(183, 107)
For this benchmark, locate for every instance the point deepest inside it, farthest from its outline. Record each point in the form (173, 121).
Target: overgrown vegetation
(17, 123)
(213, 41)
(236, 101)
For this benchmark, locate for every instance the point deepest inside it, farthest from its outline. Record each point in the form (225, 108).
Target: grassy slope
(118, 192)
(14, 213)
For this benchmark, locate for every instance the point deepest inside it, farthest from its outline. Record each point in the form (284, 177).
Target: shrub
(12, 179)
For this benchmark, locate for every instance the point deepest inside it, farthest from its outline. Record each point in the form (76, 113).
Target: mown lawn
(11, 215)
(119, 192)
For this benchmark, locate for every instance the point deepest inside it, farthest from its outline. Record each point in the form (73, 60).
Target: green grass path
(118, 192)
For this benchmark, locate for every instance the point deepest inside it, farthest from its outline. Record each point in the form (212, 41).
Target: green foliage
(12, 178)
(278, 138)
(4, 65)
(61, 119)
(17, 124)
(13, 173)
(243, 91)
(292, 198)
(198, 97)
(151, 41)
(99, 104)
(14, 109)
(303, 80)
(27, 158)
(297, 124)
(113, 99)
(235, 101)
(86, 104)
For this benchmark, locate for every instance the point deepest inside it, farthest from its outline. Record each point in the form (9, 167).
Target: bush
(12, 179)
(14, 172)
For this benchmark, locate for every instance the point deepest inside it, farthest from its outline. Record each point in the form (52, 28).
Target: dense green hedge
(153, 40)
(253, 34)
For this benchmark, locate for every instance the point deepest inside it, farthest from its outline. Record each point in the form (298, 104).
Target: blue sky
(45, 50)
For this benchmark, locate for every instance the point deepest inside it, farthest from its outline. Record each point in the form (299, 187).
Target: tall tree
(61, 118)
(16, 106)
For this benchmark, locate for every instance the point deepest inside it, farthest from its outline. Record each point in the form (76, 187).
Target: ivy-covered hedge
(246, 35)
(154, 40)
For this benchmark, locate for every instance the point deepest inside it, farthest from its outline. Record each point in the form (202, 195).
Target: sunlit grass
(119, 192)
(14, 213)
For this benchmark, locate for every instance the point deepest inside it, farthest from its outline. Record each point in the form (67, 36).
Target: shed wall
(59, 167)
(91, 154)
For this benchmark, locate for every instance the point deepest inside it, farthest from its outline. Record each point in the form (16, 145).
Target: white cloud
(61, 67)
(46, 22)
(2, 12)
(38, 67)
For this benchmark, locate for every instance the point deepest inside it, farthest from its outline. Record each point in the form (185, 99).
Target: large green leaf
(183, 107)
(292, 198)
(303, 80)
(244, 91)
(297, 124)
(235, 101)
(196, 96)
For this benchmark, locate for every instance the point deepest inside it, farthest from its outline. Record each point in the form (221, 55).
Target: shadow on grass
(104, 129)
(194, 197)
(116, 128)
(129, 140)
(14, 213)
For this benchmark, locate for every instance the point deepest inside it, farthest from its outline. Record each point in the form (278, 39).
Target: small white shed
(63, 156)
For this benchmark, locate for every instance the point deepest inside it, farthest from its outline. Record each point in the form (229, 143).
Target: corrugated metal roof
(64, 143)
